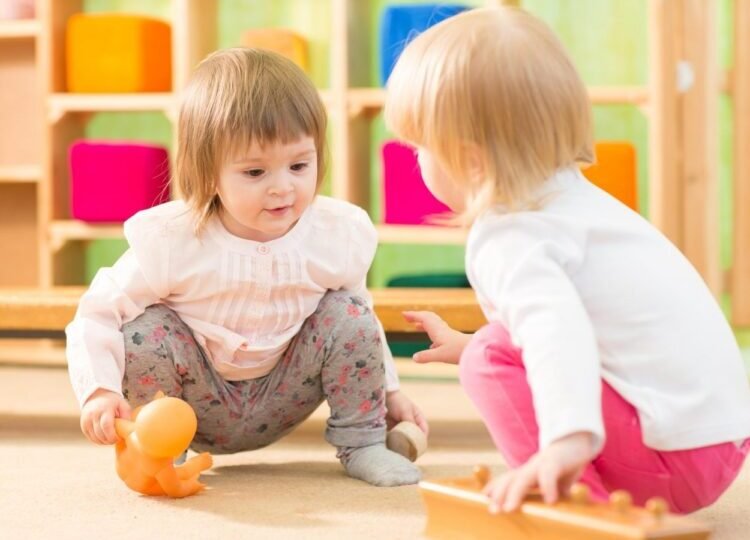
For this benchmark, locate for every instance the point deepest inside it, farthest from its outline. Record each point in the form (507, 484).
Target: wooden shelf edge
(62, 231)
(420, 234)
(62, 103)
(32, 352)
(19, 29)
(373, 99)
(20, 173)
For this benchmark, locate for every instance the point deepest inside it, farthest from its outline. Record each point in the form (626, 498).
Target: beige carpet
(53, 484)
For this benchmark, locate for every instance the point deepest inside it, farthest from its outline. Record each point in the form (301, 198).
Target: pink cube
(111, 181)
(407, 199)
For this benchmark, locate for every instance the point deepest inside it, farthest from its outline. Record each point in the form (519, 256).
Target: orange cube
(284, 42)
(615, 171)
(118, 53)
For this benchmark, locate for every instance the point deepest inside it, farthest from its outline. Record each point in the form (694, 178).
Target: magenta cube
(407, 199)
(111, 181)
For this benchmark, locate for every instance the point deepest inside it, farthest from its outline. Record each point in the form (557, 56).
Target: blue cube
(402, 23)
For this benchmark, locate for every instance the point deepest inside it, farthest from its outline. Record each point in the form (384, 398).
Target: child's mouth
(279, 211)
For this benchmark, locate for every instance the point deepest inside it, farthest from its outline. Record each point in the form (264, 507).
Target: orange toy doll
(159, 432)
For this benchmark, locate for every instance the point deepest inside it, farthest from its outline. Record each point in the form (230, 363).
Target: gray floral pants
(336, 356)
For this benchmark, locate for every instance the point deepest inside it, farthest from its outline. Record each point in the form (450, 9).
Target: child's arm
(525, 276)
(95, 344)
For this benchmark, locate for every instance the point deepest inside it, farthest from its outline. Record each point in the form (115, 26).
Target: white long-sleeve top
(588, 289)
(243, 300)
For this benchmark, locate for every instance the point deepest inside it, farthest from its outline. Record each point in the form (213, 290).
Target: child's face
(265, 191)
(438, 182)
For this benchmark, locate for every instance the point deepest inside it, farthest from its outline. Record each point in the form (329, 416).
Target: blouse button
(263, 249)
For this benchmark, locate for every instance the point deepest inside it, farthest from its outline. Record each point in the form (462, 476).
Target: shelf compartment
(63, 231)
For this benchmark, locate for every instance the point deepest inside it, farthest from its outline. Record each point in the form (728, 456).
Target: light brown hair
(236, 97)
(494, 85)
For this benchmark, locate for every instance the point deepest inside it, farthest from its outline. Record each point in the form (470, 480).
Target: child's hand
(447, 343)
(400, 408)
(553, 470)
(99, 413)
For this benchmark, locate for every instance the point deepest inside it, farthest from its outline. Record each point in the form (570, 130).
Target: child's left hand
(399, 408)
(553, 470)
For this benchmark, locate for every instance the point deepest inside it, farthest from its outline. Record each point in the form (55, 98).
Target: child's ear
(475, 161)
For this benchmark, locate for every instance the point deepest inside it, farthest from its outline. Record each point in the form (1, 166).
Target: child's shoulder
(165, 214)
(163, 219)
(332, 213)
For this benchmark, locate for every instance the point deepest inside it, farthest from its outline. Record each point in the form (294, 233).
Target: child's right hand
(447, 343)
(98, 416)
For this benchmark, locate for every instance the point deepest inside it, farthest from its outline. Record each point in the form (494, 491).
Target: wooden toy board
(456, 509)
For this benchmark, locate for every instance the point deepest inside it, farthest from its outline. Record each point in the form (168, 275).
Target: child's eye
(299, 167)
(254, 173)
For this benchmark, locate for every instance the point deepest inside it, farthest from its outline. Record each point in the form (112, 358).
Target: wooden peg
(657, 507)
(482, 475)
(407, 439)
(579, 494)
(621, 500)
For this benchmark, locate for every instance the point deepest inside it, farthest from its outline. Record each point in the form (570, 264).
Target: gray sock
(378, 466)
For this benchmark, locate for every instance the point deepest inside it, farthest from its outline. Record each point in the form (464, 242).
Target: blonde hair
(236, 97)
(496, 81)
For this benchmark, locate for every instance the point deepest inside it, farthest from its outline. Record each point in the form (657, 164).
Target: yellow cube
(118, 53)
(284, 42)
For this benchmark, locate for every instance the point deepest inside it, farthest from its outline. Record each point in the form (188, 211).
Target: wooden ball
(408, 440)
(482, 475)
(657, 507)
(579, 493)
(621, 500)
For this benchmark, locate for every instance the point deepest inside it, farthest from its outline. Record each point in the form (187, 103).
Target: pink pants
(493, 375)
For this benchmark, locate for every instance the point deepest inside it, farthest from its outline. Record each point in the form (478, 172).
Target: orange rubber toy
(159, 432)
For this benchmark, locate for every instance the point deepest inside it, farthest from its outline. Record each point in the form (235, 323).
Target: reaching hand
(98, 416)
(447, 343)
(553, 470)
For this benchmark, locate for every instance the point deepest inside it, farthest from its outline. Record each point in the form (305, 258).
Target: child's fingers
(86, 429)
(437, 354)
(427, 319)
(517, 490)
(421, 421)
(123, 410)
(497, 490)
(107, 423)
(548, 483)
(96, 427)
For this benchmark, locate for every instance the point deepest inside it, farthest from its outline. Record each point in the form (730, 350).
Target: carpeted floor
(55, 485)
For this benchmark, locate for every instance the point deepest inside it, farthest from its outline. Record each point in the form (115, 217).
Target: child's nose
(282, 185)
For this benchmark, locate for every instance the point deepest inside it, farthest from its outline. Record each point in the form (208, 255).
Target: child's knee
(346, 311)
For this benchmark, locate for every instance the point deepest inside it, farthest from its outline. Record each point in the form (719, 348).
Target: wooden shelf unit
(21, 154)
(682, 125)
